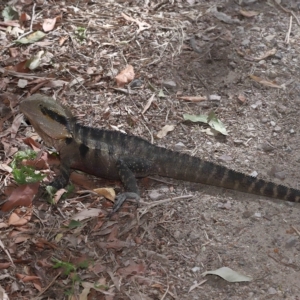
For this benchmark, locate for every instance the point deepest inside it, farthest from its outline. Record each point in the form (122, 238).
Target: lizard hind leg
(128, 168)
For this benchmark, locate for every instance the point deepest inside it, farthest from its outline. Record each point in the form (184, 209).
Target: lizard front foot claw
(120, 199)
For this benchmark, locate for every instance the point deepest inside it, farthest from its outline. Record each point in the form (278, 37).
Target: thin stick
(32, 17)
(287, 37)
(7, 253)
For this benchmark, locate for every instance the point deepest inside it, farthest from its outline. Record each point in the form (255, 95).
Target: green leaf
(31, 38)
(25, 174)
(9, 13)
(216, 124)
(74, 224)
(161, 94)
(84, 264)
(211, 120)
(20, 155)
(51, 191)
(34, 61)
(80, 33)
(68, 267)
(228, 274)
(196, 118)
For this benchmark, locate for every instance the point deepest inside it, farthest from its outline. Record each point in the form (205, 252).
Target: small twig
(31, 23)
(151, 135)
(159, 5)
(21, 75)
(295, 267)
(166, 292)
(32, 17)
(287, 11)
(76, 78)
(296, 230)
(7, 253)
(287, 37)
(159, 202)
(47, 287)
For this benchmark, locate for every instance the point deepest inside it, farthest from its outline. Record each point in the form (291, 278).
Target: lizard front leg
(63, 178)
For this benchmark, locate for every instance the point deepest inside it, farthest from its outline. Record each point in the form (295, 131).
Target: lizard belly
(103, 168)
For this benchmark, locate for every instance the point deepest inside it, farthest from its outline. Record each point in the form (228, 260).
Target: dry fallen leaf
(15, 125)
(108, 193)
(49, 24)
(58, 195)
(26, 278)
(193, 98)
(19, 218)
(163, 132)
(148, 103)
(249, 14)
(5, 167)
(266, 54)
(142, 25)
(266, 82)
(21, 196)
(125, 76)
(242, 98)
(224, 17)
(228, 274)
(132, 269)
(32, 143)
(22, 238)
(86, 214)
(258, 58)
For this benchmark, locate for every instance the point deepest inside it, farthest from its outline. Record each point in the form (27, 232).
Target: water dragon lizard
(115, 155)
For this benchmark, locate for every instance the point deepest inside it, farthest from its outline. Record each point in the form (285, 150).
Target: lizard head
(50, 119)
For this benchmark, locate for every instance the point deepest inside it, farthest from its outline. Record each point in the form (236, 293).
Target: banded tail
(189, 168)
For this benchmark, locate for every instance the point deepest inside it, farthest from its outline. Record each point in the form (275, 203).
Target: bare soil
(160, 251)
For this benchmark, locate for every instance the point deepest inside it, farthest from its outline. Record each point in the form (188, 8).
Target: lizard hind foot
(121, 198)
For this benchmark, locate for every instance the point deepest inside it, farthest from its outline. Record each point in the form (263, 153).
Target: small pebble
(272, 74)
(238, 142)
(291, 242)
(280, 175)
(245, 42)
(277, 128)
(177, 234)
(154, 195)
(225, 157)
(278, 55)
(195, 269)
(169, 84)
(179, 146)
(272, 123)
(136, 83)
(247, 214)
(281, 108)
(257, 215)
(272, 291)
(267, 147)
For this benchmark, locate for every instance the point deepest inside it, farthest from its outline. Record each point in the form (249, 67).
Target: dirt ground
(244, 57)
